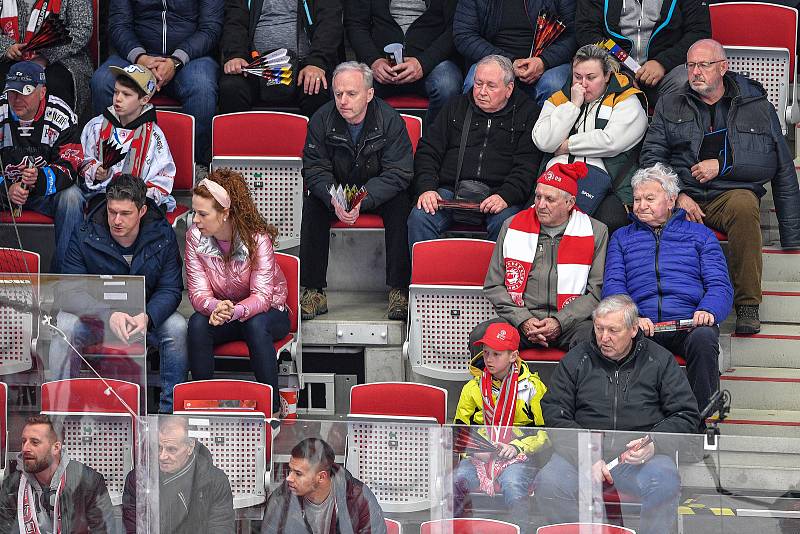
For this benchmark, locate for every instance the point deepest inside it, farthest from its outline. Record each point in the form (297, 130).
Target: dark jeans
(259, 332)
(700, 348)
(439, 85)
(515, 482)
(612, 213)
(238, 93)
(582, 331)
(59, 81)
(315, 241)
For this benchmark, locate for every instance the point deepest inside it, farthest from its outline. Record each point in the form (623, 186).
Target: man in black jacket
(194, 496)
(311, 30)
(58, 494)
(656, 34)
(430, 65)
(619, 381)
(321, 496)
(357, 140)
(722, 136)
(498, 152)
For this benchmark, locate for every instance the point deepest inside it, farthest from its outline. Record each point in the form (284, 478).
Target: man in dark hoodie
(498, 152)
(125, 235)
(321, 497)
(194, 496)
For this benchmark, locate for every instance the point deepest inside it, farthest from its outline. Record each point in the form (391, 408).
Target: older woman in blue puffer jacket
(673, 270)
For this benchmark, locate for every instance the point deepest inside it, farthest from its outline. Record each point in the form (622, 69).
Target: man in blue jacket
(674, 270)
(723, 138)
(126, 234)
(176, 40)
(507, 28)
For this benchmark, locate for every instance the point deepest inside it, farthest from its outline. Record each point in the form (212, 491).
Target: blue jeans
(195, 86)
(441, 84)
(66, 209)
(259, 332)
(656, 484)
(424, 226)
(551, 81)
(169, 337)
(515, 481)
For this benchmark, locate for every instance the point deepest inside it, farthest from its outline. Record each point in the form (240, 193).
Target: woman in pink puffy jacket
(235, 285)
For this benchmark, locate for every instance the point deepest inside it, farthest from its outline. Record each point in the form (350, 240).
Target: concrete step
(781, 265)
(354, 318)
(761, 424)
(777, 345)
(781, 302)
(762, 388)
(743, 476)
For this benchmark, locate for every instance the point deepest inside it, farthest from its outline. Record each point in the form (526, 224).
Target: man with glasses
(722, 137)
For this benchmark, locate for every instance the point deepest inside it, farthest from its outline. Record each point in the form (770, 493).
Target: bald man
(722, 137)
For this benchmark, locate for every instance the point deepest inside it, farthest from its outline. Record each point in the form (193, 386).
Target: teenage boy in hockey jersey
(129, 125)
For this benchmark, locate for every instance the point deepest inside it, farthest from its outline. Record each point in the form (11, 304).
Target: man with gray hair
(495, 153)
(724, 140)
(620, 381)
(675, 272)
(359, 141)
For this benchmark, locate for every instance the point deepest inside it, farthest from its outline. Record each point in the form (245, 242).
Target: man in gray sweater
(546, 273)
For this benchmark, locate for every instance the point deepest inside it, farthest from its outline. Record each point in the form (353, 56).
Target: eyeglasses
(704, 65)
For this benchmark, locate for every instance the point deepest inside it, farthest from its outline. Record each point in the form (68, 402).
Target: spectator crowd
(602, 188)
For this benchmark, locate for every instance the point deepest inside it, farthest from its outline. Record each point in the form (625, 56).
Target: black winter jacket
(324, 32)
(370, 27)
(356, 510)
(682, 23)
(209, 507)
(381, 160)
(499, 150)
(646, 392)
(758, 151)
(86, 507)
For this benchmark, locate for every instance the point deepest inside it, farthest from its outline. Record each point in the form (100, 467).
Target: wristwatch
(177, 63)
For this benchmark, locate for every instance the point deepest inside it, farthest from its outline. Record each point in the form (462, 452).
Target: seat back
(19, 281)
(399, 399)
(178, 128)
(583, 528)
(3, 428)
(393, 527)
(227, 390)
(258, 134)
(446, 302)
(414, 129)
(467, 526)
(290, 266)
(98, 430)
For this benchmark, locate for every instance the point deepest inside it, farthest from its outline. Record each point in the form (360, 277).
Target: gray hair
(354, 66)
(615, 303)
(592, 51)
(661, 174)
(715, 46)
(501, 61)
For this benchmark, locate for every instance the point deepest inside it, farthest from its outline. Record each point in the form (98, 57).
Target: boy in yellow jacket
(502, 395)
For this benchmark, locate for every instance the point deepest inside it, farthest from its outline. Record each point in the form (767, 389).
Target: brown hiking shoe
(747, 321)
(313, 302)
(398, 304)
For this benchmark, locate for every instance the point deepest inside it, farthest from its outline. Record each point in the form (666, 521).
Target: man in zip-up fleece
(624, 382)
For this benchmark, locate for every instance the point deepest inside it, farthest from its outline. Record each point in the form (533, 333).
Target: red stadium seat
(258, 134)
(27, 217)
(407, 102)
(178, 128)
(455, 262)
(583, 528)
(467, 526)
(402, 399)
(162, 101)
(393, 527)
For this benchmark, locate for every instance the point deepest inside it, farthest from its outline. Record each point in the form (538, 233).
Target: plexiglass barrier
(238, 471)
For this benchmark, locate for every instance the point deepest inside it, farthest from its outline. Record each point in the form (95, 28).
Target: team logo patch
(568, 300)
(515, 275)
(151, 85)
(134, 68)
(501, 335)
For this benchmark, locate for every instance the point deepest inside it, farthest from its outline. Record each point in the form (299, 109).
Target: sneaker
(313, 302)
(747, 321)
(398, 304)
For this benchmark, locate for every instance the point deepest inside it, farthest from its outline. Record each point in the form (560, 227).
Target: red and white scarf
(575, 253)
(498, 418)
(9, 17)
(26, 507)
(134, 143)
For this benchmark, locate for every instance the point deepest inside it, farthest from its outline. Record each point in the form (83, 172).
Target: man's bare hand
(382, 70)
(641, 455)
(706, 170)
(647, 326)
(693, 211)
(528, 70)
(312, 80)
(703, 318)
(650, 73)
(548, 331)
(493, 204)
(234, 66)
(29, 176)
(18, 194)
(409, 71)
(601, 473)
(14, 52)
(429, 202)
